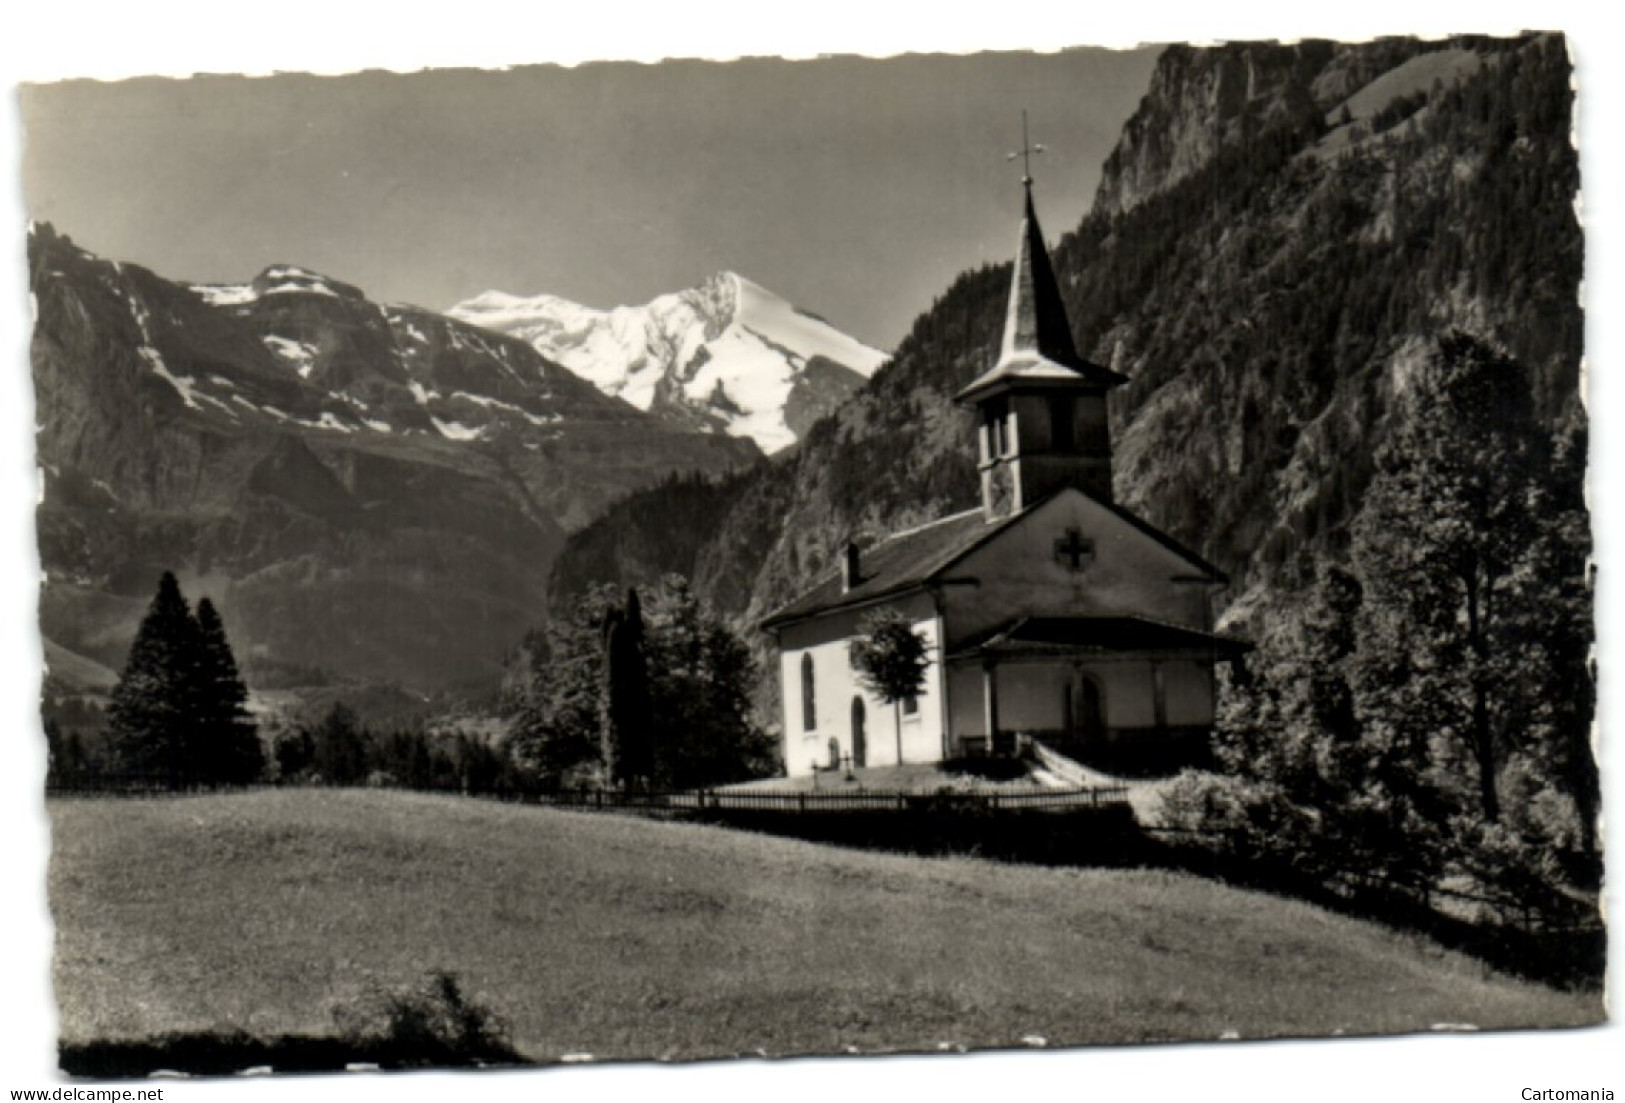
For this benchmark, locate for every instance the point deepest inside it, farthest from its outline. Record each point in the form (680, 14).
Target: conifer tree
(150, 713)
(178, 716)
(228, 749)
(339, 747)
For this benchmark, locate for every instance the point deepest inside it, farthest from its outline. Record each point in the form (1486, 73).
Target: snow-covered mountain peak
(728, 354)
(278, 279)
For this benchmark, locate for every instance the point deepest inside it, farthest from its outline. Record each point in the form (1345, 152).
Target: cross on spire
(1026, 153)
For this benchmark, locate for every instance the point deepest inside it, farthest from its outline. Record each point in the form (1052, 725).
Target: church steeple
(1035, 322)
(1042, 406)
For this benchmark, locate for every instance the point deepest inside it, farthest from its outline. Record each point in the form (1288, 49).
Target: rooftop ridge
(900, 533)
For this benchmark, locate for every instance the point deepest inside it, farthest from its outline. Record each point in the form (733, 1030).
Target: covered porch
(1127, 695)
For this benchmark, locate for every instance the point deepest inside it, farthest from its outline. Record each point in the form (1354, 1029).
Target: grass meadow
(622, 937)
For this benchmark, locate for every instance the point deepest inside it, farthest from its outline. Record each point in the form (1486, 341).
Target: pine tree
(339, 747)
(150, 713)
(227, 749)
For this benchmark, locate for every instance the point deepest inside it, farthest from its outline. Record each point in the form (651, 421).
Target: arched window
(809, 710)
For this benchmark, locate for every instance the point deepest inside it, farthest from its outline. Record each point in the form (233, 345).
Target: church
(1050, 613)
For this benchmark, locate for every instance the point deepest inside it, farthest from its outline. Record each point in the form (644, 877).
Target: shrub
(424, 1025)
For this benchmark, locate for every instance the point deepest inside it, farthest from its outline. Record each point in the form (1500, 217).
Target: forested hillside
(1279, 233)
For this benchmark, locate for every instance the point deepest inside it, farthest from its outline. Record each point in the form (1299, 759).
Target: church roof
(1038, 344)
(1095, 636)
(909, 560)
(897, 564)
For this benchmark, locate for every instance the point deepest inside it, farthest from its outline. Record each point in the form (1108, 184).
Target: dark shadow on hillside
(231, 1053)
(1572, 956)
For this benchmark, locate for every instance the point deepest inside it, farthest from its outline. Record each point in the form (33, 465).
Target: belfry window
(1061, 435)
(998, 429)
(809, 710)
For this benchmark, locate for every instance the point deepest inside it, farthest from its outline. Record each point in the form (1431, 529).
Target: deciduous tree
(890, 658)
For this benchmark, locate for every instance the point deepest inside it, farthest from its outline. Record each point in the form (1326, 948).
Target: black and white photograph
(1058, 562)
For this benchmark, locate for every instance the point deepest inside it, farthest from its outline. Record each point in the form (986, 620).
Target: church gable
(1073, 556)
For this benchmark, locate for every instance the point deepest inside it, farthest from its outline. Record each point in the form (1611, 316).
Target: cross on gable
(1074, 551)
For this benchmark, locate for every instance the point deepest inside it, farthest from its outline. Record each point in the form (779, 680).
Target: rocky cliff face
(1279, 235)
(1203, 102)
(366, 491)
(728, 356)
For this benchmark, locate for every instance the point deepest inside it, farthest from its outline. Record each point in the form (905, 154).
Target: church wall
(835, 684)
(1032, 696)
(1130, 693)
(1188, 691)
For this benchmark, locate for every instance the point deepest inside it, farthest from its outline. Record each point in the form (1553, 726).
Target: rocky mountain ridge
(366, 491)
(727, 356)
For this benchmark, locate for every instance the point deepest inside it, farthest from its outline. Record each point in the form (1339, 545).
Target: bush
(424, 1025)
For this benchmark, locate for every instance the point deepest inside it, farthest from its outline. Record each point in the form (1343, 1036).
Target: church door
(1084, 716)
(860, 747)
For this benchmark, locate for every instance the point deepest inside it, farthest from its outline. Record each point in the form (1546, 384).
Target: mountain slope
(1265, 283)
(372, 491)
(728, 356)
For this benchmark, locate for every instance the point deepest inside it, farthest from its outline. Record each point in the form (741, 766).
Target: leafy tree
(1449, 541)
(295, 754)
(700, 723)
(700, 674)
(890, 659)
(1306, 782)
(1386, 721)
(67, 765)
(556, 733)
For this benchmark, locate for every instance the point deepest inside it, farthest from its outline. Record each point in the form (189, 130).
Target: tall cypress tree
(227, 748)
(626, 719)
(150, 713)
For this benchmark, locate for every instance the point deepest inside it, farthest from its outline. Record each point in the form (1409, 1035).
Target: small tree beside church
(891, 659)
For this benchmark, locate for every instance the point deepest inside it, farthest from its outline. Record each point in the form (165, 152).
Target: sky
(855, 187)
(111, 40)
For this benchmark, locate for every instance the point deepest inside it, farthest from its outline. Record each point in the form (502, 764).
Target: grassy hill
(622, 937)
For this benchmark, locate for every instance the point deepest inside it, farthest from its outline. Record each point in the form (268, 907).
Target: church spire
(1041, 406)
(1037, 340)
(1035, 321)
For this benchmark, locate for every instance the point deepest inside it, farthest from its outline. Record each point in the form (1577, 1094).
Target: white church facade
(1050, 613)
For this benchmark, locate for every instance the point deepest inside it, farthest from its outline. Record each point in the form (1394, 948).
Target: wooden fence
(703, 800)
(814, 802)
